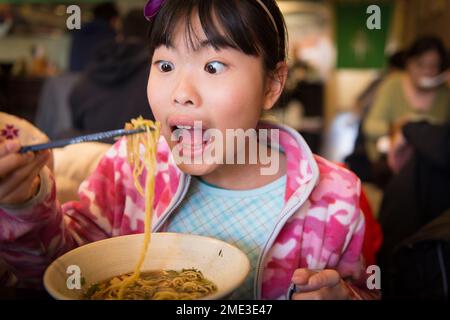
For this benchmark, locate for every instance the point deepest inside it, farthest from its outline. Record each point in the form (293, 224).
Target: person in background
(101, 29)
(395, 63)
(114, 83)
(358, 161)
(414, 212)
(414, 256)
(415, 93)
(53, 115)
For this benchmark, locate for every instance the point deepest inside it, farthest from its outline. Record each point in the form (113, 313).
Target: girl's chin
(197, 169)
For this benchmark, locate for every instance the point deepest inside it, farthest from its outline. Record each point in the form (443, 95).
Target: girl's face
(224, 89)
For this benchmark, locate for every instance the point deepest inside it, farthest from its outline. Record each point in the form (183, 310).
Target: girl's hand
(19, 173)
(319, 285)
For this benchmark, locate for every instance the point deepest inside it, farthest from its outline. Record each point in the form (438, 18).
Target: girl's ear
(275, 84)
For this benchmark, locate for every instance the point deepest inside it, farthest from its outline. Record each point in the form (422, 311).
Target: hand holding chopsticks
(19, 168)
(19, 173)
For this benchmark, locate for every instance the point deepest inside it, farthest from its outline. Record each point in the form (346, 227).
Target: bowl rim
(57, 295)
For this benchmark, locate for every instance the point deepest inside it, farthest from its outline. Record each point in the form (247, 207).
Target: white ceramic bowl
(220, 262)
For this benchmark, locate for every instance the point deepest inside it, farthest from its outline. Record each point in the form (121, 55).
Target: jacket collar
(302, 172)
(301, 167)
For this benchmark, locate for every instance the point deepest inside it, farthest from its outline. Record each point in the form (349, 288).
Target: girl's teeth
(184, 127)
(207, 137)
(195, 146)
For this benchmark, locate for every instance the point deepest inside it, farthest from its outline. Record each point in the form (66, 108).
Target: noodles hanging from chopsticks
(149, 141)
(187, 284)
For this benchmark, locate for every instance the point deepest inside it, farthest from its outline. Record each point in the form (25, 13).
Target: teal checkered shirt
(244, 218)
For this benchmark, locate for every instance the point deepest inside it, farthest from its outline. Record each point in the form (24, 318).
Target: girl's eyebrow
(217, 45)
(205, 44)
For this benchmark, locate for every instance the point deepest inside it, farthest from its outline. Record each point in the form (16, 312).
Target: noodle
(149, 141)
(159, 285)
(156, 285)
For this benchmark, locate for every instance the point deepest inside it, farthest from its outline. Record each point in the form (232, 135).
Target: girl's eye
(165, 66)
(215, 67)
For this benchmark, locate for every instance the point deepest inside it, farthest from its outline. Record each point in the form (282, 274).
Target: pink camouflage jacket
(320, 226)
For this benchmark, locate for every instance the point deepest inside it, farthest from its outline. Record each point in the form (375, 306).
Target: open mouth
(192, 138)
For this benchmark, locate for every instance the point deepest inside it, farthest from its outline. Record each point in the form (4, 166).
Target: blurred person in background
(113, 89)
(101, 29)
(358, 161)
(53, 115)
(395, 63)
(415, 255)
(417, 93)
(415, 211)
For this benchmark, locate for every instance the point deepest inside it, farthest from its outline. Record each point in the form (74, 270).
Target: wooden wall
(426, 17)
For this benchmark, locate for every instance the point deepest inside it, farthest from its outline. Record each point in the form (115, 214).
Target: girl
(221, 64)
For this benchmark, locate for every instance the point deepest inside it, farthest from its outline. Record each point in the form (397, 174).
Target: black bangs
(226, 24)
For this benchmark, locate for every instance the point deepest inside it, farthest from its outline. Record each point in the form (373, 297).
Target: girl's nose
(186, 94)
